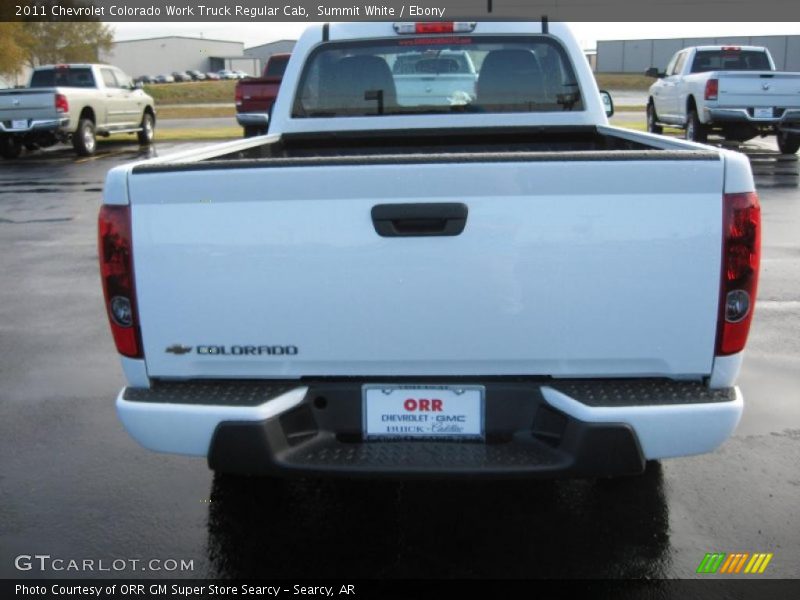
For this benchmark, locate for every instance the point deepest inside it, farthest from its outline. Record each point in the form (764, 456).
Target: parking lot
(74, 485)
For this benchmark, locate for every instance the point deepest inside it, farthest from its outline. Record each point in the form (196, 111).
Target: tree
(12, 48)
(64, 42)
(34, 41)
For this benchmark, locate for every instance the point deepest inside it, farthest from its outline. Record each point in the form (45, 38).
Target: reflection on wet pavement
(272, 528)
(772, 169)
(70, 456)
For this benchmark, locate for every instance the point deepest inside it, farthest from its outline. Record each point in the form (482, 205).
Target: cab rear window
(427, 75)
(64, 77)
(730, 60)
(276, 66)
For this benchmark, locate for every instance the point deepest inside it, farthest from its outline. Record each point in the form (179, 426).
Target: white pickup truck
(731, 90)
(509, 287)
(74, 103)
(435, 77)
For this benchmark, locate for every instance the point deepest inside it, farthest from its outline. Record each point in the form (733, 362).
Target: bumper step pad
(584, 450)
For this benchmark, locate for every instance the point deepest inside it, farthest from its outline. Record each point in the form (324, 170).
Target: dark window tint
(65, 77)
(730, 60)
(276, 66)
(437, 75)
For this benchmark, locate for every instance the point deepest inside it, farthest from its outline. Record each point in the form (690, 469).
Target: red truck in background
(255, 96)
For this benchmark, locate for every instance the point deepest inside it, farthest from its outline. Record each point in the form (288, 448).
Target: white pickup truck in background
(74, 103)
(390, 286)
(435, 77)
(731, 90)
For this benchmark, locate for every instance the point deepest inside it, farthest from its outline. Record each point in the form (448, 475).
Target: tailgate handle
(416, 220)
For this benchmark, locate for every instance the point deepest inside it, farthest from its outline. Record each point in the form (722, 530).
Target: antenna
(545, 28)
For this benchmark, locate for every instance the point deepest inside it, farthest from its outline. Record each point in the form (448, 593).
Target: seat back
(511, 78)
(351, 78)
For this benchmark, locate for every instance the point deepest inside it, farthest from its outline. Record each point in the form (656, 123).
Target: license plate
(762, 113)
(423, 411)
(19, 124)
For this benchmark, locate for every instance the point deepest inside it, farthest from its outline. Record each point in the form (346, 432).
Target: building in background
(591, 58)
(154, 56)
(636, 56)
(251, 66)
(264, 51)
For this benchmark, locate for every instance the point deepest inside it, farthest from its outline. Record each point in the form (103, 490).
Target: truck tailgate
(565, 268)
(439, 90)
(257, 94)
(755, 89)
(37, 105)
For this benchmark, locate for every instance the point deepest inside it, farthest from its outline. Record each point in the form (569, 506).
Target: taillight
(741, 247)
(62, 105)
(116, 271)
(712, 89)
(238, 96)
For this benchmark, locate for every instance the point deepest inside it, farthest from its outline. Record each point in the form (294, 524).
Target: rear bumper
(49, 125)
(533, 428)
(789, 119)
(252, 119)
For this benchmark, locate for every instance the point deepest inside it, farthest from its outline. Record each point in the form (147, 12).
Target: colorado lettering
(248, 350)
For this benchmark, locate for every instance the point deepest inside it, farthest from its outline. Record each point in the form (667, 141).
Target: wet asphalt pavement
(74, 485)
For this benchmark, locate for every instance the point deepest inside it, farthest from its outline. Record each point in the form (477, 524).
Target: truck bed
(427, 145)
(27, 105)
(573, 238)
(749, 89)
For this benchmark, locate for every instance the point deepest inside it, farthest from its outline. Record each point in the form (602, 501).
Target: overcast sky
(253, 34)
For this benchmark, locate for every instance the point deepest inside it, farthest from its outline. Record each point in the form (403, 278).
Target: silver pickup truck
(74, 103)
(733, 91)
(435, 77)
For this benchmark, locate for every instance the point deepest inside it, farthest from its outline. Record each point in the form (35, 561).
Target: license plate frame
(466, 401)
(763, 113)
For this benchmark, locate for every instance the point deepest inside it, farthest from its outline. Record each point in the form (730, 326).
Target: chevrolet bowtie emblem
(178, 349)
